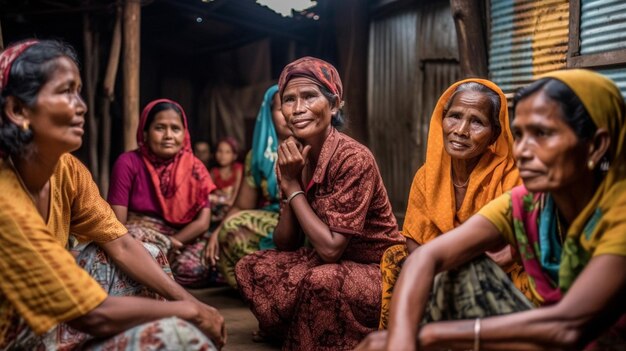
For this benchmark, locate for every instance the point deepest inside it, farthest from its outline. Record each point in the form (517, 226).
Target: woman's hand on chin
(292, 158)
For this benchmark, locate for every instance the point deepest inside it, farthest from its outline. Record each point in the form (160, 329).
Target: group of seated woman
(310, 239)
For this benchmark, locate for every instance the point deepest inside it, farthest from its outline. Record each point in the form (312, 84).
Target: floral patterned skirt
(310, 304)
(188, 266)
(163, 334)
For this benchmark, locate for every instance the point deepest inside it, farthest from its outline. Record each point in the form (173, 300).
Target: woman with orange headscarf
(161, 191)
(469, 162)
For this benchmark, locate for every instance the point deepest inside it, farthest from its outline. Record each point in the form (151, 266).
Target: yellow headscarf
(431, 208)
(605, 213)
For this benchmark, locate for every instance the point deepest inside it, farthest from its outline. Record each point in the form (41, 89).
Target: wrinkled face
(467, 130)
(307, 111)
(166, 134)
(225, 155)
(280, 123)
(58, 116)
(202, 151)
(549, 154)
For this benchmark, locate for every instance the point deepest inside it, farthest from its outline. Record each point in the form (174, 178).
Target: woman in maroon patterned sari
(325, 295)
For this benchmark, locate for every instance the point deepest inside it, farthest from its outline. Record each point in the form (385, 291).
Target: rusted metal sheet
(527, 38)
(602, 26)
(412, 59)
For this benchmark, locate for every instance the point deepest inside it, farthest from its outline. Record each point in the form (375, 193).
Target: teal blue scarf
(265, 150)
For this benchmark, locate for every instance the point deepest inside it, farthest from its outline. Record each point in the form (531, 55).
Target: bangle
(477, 334)
(294, 194)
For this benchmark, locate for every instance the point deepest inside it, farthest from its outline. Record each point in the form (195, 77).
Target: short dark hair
(574, 112)
(339, 119)
(160, 107)
(492, 96)
(29, 72)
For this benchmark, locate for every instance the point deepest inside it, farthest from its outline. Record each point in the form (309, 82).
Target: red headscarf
(7, 58)
(322, 72)
(182, 183)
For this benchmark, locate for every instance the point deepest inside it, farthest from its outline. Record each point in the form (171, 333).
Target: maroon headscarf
(320, 71)
(182, 183)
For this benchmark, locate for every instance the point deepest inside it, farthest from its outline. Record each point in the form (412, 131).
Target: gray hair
(494, 100)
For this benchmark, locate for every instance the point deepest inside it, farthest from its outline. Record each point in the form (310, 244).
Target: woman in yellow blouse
(567, 223)
(46, 194)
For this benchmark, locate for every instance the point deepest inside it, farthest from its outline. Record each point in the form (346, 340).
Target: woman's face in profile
(549, 155)
(58, 117)
(467, 130)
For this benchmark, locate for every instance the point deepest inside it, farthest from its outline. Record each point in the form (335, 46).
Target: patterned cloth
(318, 306)
(477, 289)
(187, 266)
(182, 183)
(33, 255)
(431, 206)
(319, 71)
(242, 235)
(164, 334)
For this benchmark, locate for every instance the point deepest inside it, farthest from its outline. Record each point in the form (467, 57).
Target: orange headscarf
(182, 183)
(431, 208)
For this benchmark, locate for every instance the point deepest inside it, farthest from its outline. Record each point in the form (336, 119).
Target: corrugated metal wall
(602, 29)
(412, 59)
(602, 26)
(527, 38)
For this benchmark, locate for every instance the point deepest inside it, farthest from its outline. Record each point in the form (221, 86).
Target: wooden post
(132, 26)
(1, 39)
(91, 75)
(468, 20)
(108, 88)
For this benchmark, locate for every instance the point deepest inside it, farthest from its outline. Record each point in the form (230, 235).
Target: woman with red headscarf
(160, 191)
(326, 295)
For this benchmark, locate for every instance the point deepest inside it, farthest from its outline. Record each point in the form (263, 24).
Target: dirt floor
(240, 323)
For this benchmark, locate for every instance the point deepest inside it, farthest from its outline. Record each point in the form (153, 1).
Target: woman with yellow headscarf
(567, 223)
(469, 162)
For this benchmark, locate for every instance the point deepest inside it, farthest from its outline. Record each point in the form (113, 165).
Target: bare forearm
(532, 330)
(191, 231)
(132, 258)
(287, 235)
(316, 231)
(409, 300)
(118, 314)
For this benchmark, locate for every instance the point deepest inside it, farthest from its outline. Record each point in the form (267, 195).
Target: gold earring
(25, 125)
(591, 165)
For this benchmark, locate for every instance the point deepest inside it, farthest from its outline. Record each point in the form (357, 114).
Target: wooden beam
(468, 19)
(132, 27)
(1, 39)
(90, 73)
(108, 88)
